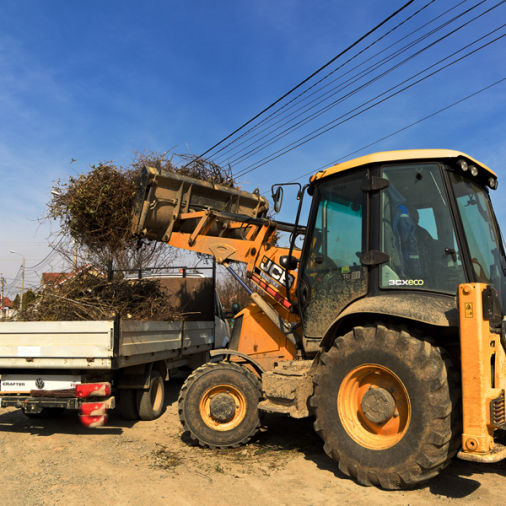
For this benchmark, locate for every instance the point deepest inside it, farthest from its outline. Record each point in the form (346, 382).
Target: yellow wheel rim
(236, 404)
(357, 418)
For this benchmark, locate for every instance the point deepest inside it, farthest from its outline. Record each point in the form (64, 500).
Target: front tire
(218, 405)
(383, 402)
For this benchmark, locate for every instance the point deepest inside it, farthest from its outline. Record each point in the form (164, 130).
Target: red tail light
(93, 421)
(93, 390)
(94, 408)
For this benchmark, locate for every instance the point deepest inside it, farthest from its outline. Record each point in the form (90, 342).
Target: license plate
(25, 383)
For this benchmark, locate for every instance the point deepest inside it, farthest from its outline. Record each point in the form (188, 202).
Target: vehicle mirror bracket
(374, 183)
(374, 257)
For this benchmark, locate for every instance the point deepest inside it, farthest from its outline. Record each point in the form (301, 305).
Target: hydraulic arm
(233, 226)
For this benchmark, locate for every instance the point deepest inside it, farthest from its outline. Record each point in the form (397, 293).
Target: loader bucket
(163, 197)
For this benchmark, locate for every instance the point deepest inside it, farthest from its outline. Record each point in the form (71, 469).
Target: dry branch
(89, 296)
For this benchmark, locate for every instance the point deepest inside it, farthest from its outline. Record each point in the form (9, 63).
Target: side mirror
(288, 262)
(233, 311)
(277, 197)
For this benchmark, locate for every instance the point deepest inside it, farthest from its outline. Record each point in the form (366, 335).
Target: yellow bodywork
(236, 229)
(261, 339)
(398, 156)
(483, 376)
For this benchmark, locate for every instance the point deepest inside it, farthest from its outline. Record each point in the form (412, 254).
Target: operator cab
(419, 221)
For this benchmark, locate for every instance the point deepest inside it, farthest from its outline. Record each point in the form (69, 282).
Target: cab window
(418, 232)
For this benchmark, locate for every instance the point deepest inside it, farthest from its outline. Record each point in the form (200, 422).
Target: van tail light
(93, 421)
(93, 390)
(93, 408)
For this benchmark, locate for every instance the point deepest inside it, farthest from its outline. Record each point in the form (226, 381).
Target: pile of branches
(90, 296)
(206, 170)
(94, 212)
(189, 165)
(94, 208)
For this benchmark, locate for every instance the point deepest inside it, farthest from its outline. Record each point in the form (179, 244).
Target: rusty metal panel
(192, 298)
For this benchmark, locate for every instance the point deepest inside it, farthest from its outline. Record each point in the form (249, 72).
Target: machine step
(497, 454)
(287, 389)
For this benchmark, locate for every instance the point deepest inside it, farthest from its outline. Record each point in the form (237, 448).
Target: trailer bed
(108, 344)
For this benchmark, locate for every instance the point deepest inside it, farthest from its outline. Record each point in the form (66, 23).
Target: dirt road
(59, 462)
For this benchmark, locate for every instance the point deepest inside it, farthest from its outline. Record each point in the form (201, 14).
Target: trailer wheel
(386, 407)
(151, 402)
(218, 405)
(128, 404)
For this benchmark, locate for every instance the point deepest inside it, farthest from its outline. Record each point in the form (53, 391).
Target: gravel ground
(60, 462)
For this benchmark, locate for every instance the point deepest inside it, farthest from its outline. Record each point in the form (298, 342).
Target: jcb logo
(276, 272)
(405, 282)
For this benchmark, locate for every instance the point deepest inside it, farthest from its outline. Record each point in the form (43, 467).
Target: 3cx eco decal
(405, 282)
(276, 272)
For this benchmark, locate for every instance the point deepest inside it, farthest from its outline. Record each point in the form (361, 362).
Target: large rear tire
(218, 405)
(151, 402)
(386, 407)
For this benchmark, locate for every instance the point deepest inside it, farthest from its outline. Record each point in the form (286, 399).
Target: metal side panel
(55, 363)
(83, 344)
(198, 333)
(139, 338)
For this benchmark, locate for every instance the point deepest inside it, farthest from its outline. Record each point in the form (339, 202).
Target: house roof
(53, 278)
(6, 303)
(58, 278)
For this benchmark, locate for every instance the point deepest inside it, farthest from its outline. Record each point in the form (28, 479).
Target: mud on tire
(218, 405)
(426, 399)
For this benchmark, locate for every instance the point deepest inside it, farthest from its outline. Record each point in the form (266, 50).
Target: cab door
(332, 275)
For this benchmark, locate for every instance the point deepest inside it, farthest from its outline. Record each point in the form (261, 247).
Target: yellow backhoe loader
(387, 325)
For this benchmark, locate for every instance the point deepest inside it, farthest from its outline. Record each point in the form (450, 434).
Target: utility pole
(1, 294)
(75, 256)
(22, 278)
(22, 283)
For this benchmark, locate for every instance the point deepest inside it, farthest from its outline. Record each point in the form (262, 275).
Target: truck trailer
(92, 366)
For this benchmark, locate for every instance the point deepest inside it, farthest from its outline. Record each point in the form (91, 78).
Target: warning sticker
(468, 309)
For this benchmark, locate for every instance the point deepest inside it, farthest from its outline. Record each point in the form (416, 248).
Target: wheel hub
(374, 406)
(222, 407)
(378, 405)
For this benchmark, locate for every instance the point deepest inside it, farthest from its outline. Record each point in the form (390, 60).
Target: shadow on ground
(68, 422)
(455, 482)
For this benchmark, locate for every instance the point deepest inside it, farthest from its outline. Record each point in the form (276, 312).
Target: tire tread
(195, 376)
(442, 439)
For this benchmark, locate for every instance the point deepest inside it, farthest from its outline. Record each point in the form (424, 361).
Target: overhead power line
(352, 114)
(304, 81)
(293, 101)
(50, 256)
(310, 117)
(402, 129)
(14, 280)
(322, 98)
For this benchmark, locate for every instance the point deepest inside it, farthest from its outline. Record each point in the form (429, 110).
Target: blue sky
(96, 81)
